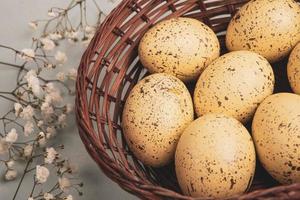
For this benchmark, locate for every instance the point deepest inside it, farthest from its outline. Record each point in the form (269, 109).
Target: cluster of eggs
(215, 155)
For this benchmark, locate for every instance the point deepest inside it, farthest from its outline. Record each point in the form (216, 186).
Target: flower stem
(22, 178)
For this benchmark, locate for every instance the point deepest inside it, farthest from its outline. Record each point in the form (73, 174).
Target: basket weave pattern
(110, 68)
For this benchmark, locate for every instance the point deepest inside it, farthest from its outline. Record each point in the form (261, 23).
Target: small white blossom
(10, 164)
(40, 123)
(54, 97)
(90, 29)
(62, 119)
(50, 132)
(60, 76)
(42, 139)
(42, 174)
(49, 66)
(47, 110)
(50, 87)
(69, 108)
(72, 74)
(50, 155)
(47, 43)
(27, 113)
(71, 34)
(48, 196)
(3, 146)
(28, 128)
(12, 136)
(11, 174)
(33, 25)
(69, 197)
(28, 150)
(27, 54)
(33, 82)
(64, 183)
(18, 108)
(60, 57)
(52, 14)
(55, 36)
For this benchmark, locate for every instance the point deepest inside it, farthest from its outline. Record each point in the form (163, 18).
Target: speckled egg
(182, 47)
(293, 69)
(268, 27)
(215, 158)
(156, 112)
(276, 134)
(234, 84)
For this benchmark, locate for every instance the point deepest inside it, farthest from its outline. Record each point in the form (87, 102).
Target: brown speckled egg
(293, 69)
(156, 112)
(215, 158)
(234, 84)
(276, 134)
(182, 47)
(268, 27)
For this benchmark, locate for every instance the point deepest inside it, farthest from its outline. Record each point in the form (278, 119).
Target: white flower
(10, 175)
(49, 66)
(64, 183)
(27, 113)
(90, 29)
(50, 155)
(42, 139)
(72, 74)
(48, 196)
(10, 164)
(72, 35)
(54, 97)
(40, 123)
(50, 131)
(12, 136)
(52, 14)
(49, 87)
(30, 198)
(55, 36)
(47, 110)
(27, 54)
(18, 108)
(33, 82)
(60, 57)
(69, 197)
(42, 174)
(60, 76)
(28, 150)
(3, 146)
(28, 128)
(69, 108)
(33, 25)
(47, 43)
(62, 119)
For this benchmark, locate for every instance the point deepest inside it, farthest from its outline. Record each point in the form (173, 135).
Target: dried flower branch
(39, 108)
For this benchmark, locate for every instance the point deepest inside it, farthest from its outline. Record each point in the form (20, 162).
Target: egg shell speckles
(215, 157)
(234, 85)
(182, 47)
(156, 112)
(293, 69)
(276, 134)
(268, 27)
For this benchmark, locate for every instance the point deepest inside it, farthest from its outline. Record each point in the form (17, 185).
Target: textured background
(14, 17)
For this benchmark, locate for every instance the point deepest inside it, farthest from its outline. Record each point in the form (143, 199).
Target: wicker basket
(110, 68)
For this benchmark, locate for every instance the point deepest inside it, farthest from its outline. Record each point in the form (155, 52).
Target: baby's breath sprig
(39, 107)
